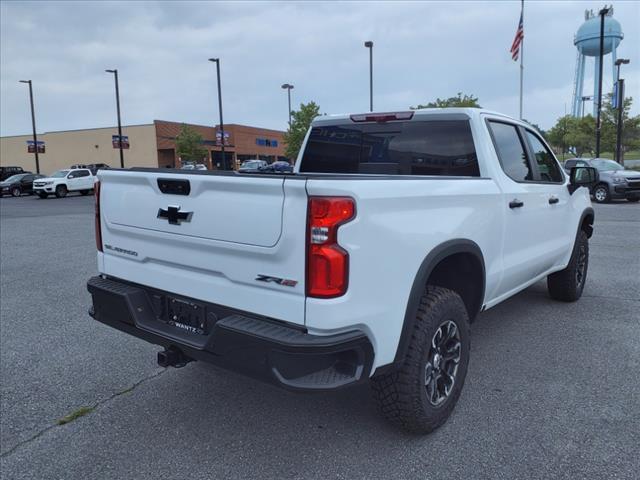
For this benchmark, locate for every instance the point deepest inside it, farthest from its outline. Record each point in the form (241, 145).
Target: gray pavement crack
(93, 407)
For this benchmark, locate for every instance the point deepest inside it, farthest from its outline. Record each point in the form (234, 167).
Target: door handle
(553, 200)
(515, 203)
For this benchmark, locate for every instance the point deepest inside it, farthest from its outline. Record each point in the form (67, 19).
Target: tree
(189, 145)
(579, 134)
(537, 127)
(572, 134)
(462, 100)
(300, 122)
(609, 128)
(557, 135)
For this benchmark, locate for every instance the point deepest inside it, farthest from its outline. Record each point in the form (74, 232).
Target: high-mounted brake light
(327, 262)
(96, 191)
(382, 117)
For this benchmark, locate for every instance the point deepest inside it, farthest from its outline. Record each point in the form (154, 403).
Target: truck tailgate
(211, 244)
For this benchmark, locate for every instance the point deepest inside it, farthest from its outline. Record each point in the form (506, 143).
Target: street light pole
(115, 73)
(33, 124)
(288, 87)
(584, 99)
(602, 14)
(369, 44)
(217, 62)
(620, 106)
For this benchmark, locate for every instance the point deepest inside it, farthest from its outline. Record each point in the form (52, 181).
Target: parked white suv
(65, 181)
(370, 261)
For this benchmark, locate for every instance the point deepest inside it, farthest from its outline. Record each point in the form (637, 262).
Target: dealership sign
(219, 137)
(31, 146)
(116, 143)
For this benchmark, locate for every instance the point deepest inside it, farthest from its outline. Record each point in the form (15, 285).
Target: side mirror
(583, 177)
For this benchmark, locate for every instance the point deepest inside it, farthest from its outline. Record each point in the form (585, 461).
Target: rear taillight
(327, 262)
(96, 191)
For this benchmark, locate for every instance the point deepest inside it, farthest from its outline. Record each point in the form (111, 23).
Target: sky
(422, 50)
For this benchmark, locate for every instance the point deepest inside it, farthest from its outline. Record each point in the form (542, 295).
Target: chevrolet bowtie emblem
(174, 215)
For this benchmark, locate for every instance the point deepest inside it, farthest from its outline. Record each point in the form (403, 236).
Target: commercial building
(150, 145)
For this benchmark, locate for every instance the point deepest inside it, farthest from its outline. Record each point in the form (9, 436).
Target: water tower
(587, 41)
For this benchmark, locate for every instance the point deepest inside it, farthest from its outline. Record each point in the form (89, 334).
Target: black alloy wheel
(442, 365)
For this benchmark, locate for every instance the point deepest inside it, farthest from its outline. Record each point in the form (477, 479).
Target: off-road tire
(567, 285)
(84, 192)
(601, 193)
(401, 395)
(633, 199)
(61, 191)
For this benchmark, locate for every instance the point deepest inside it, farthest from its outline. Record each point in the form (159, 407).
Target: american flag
(515, 46)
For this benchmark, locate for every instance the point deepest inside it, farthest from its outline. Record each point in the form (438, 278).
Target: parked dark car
(94, 167)
(279, 167)
(253, 166)
(615, 182)
(16, 185)
(6, 172)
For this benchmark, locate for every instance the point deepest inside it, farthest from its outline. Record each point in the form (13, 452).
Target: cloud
(422, 51)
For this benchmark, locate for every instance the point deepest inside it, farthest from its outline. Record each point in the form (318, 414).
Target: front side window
(14, 178)
(436, 147)
(511, 152)
(60, 174)
(547, 166)
(605, 165)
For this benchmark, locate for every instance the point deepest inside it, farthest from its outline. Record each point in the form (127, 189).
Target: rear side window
(395, 148)
(570, 163)
(547, 166)
(511, 152)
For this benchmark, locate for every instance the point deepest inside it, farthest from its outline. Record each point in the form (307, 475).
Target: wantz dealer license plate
(187, 316)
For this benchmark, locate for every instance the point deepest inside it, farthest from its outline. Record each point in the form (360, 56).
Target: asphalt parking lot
(553, 389)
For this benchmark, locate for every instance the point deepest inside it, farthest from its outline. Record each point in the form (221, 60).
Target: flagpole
(521, 59)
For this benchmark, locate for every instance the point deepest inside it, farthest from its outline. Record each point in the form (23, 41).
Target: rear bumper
(265, 349)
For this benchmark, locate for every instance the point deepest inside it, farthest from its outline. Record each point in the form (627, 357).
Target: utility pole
(115, 73)
(369, 44)
(620, 106)
(33, 124)
(217, 62)
(603, 13)
(288, 87)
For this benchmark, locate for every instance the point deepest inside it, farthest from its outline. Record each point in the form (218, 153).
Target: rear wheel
(633, 200)
(421, 393)
(16, 192)
(567, 285)
(84, 192)
(61, 191)
(601, 193)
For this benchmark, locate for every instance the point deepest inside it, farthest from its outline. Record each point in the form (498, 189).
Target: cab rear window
(443, 148)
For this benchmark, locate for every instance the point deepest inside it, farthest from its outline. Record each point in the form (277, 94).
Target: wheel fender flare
(587, 213)
(435, 256)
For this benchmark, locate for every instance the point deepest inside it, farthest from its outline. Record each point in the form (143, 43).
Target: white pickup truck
(64, 181)
(368, 262)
